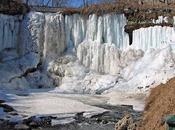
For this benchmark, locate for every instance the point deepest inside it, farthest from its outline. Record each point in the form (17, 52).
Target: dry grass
(159, 104)
(120, 6)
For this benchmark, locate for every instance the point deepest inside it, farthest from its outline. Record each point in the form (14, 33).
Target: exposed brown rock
(127, 123)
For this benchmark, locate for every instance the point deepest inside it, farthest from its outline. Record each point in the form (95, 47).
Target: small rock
(104, 121)
(13, 113)
(1, 122)
(1, 101)
(7, 108)
(127, 123)
(34, 124)
(39, 128)
(21, 127)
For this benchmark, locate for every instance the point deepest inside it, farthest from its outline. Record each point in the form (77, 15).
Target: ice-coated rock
(13, 71)
(33, 27)
(45, 34)
(9, 26)
(39, 79)
(92, 83)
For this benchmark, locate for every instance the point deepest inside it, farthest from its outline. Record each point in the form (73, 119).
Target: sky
(76, 3)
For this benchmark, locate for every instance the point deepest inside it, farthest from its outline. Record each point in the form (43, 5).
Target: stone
(39, 128)
(21, 127)
(127, 123)
(1, 101)
(13, 113)
(7, 108)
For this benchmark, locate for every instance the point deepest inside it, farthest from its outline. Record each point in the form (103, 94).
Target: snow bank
(155, 67)
(138, 72)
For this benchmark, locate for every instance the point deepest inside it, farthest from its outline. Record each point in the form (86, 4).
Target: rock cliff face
(99, 43)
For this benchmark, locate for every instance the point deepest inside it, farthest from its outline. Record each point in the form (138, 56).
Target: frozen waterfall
(98, 44)
(9, 35)
(152, 37)
(103, 29)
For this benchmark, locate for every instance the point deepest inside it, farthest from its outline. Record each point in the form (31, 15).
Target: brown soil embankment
(159, 104)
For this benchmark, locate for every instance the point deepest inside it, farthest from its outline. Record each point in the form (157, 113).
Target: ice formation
(100, 58)
(152, 37)
(9, 26)
(103, 58)
(107, 29)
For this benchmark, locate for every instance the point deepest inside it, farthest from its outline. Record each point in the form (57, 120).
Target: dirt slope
(159, 104)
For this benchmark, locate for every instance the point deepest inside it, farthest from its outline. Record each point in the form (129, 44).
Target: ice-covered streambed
(68, 111)
(50, 103)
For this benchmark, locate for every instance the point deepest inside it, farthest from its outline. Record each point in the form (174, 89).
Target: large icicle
(152, 37)
(100, 57)
(55, 36)
(108, 28)
(105, 58)
(9, 26)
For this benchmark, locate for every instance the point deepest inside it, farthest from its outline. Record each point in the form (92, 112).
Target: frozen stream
(70, 111)
(49, 103)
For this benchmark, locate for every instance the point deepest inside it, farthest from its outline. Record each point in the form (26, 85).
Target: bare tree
(19, 1)
(85, 3)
